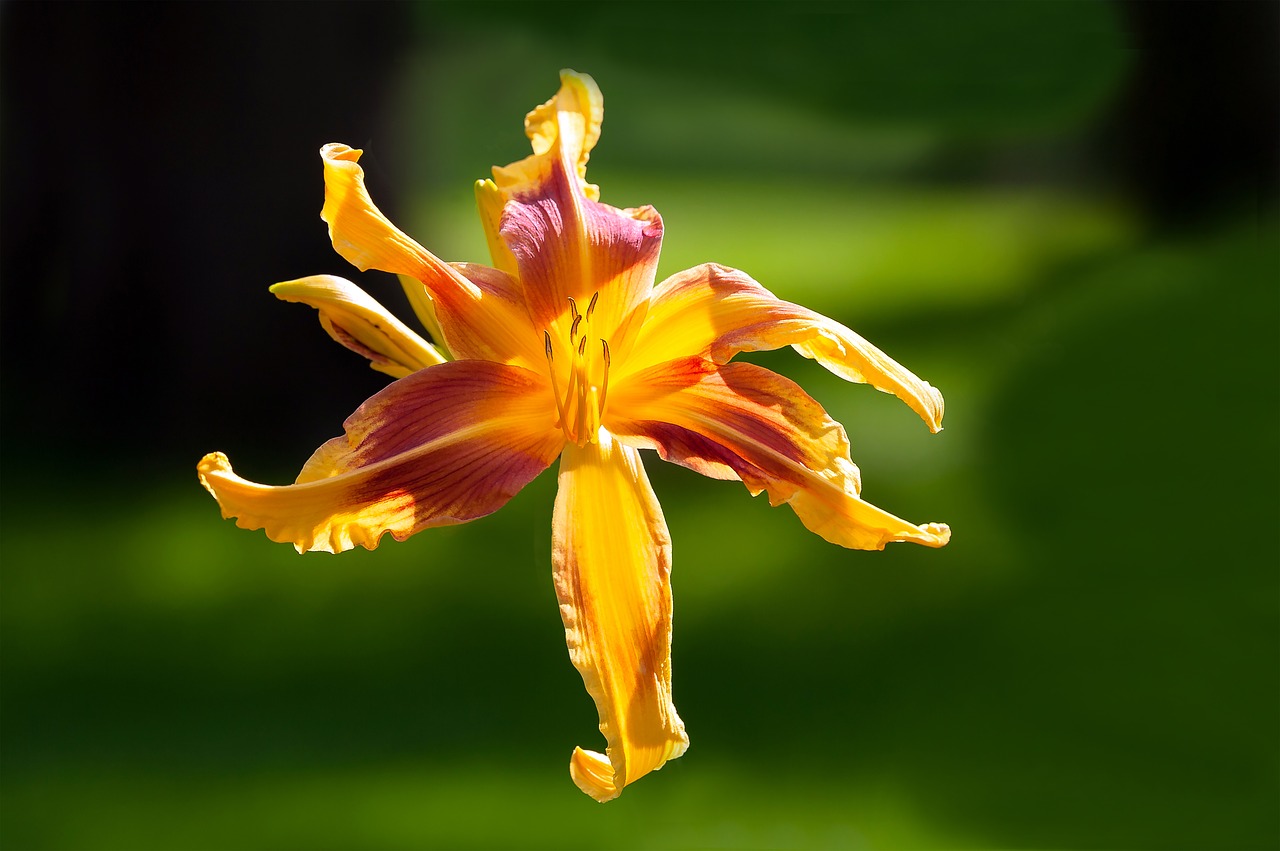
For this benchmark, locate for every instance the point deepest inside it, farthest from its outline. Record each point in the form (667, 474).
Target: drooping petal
(714, 311)
(739, 420)
(445, 445)
(473, 324)
(563, 242)
(612, 564)
(353, 318)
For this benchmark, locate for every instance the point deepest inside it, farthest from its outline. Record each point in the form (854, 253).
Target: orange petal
(715, 312)
(563, 130)
(423, 307)
(362, 234)
(498, 326)
(562, 241)
(612, 567)
(742, 421)
(489, 202)
(444, 445)
(474, 323)
(353, 318)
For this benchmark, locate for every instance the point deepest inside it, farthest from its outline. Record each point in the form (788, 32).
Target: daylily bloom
(566, 348)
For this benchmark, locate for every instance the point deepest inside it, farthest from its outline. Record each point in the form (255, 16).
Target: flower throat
(581, 405)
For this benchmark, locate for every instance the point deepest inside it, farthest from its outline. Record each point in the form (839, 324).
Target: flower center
(581, 405)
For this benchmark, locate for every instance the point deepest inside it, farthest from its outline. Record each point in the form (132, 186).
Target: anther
(546, 335)
(573, 330)
(582, 346)
(592, 306)
(573, 307)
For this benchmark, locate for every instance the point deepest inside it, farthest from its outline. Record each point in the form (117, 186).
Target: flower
(566, 348)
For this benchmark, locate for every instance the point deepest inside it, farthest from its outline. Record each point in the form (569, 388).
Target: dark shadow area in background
(137, 136)
(158, 159)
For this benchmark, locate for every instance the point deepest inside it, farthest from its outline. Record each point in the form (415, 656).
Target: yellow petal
(612, 567)
(489, 201)
(473, 323)
(563, 130)
(714, 311)
(422, 305)
(740, 420)
(362, 234)
(444, 445)
(353, 318)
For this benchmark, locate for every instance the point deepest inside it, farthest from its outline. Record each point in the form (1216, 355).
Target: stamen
(604, 382)
(581, 405)
(555, 383)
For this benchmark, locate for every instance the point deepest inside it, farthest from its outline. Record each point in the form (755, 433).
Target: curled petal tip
(938, 534)
(214, 462)
(593, 774)
(339, 151)
(933, 407)
(611, 563)
(563, 130)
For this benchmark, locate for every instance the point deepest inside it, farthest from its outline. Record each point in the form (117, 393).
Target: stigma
(581, 405)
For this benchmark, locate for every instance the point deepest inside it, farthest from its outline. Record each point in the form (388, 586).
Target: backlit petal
(353, 318)
(563, 242)
(362, 234)
(445, 445)
(741, 420)
(473, 323)
(714, 311)
(489, 202)
(423, 307)
(563, 130)
(612, 564)
(574, 249)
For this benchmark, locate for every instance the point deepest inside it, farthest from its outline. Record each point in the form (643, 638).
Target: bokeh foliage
(1093, 662)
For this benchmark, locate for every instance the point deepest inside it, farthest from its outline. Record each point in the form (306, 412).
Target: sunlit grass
(417, 804)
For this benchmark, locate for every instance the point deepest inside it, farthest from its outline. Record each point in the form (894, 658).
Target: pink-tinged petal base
(444, 445)
(568, 246)
(612, 566)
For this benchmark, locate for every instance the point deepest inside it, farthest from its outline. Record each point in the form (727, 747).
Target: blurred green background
(1063, 215)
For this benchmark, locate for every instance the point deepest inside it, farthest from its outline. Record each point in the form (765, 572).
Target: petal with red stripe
(444, 445)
